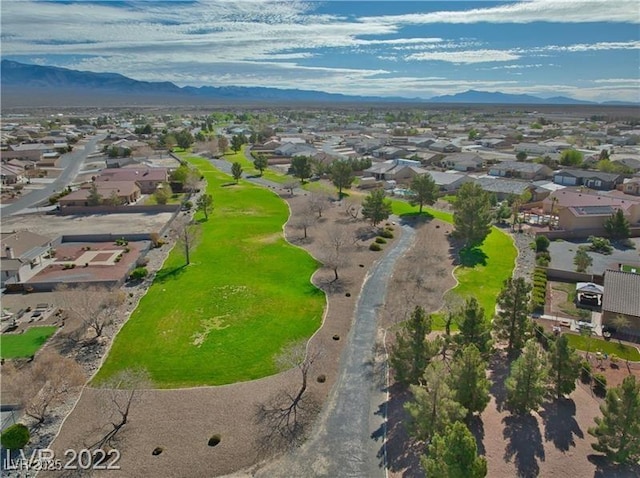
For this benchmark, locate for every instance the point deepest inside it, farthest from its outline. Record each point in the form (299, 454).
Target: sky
(584, 49)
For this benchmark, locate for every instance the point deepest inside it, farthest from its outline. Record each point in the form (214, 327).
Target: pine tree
(527, 383)
(512, 321)
(618, 431)
(341, 175)
(424, 190)
(472, 215)
(473, 326)
(565, 366)
(376, 207)
(617, 226)
(454, 454)
(468, 380)
(412, 351)
(433, 407)
(236, 171)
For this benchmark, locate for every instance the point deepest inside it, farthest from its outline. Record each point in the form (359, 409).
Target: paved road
(71, 162)
(342, 444)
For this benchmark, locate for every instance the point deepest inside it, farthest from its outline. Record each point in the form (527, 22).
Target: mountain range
(48, 84)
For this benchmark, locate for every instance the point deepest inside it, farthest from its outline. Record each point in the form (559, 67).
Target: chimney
(8, 252)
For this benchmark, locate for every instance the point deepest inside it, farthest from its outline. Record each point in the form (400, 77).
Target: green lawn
(610, 347)
(223, 318)
(485, 269)
(25, 344)
(247, 167)
(176, 198)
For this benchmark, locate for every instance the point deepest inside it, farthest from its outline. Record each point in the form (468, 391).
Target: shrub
(585, 372)
(139, 273)
(214, 440)
(157, 450)
(375, 247)
(600, 384)
(386, 233)
(188, 205)
(142, 261)
(600, 244)
(154, 237)
(542, 243)
(381, 240)
(321, 378)
(15, 437)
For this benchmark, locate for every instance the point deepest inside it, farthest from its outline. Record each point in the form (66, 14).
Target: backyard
(223, 318)
(25, 344)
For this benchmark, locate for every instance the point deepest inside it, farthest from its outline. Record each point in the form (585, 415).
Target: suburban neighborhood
(204, 262)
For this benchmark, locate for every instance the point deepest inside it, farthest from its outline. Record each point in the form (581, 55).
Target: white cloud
(468, 56)
(554, 11)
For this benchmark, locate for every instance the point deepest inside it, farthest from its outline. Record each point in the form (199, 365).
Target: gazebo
(589, 294)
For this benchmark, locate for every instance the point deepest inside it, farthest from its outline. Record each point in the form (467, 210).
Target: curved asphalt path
(348, 437)
(342, 443)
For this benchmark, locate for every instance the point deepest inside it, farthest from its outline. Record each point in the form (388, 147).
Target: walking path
(342, 444)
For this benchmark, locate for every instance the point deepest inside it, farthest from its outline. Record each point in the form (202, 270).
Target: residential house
(535, 149)
(632, 163)
(127, 192)
(147, 179)
(22, 251)
(389, 152)
(447, 181)
(631, 186)
(463, 162)
(591, 179)
(290, 150)
(517, 169)
(10, 174)
(622, 298)
(394, 170)
(504, 188)
(444, 147)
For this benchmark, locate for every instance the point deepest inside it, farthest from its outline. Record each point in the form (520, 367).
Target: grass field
(247, 167)
(484, 269)
(223, 318)
(610, 347)
(25, 344)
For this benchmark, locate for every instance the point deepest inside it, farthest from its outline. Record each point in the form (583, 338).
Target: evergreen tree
(468, 380)
(617, 226)
(433, 407)
(565, 366)
(424, 190)
(376, 207)
(412, 351)
(260, 163)
(472, 215)
(454, 454)
(301, 168)
(512, 321)
(527, 381)
(582, 259)
(473, 326)
(236, 171)
(618, 431)
(341, 175)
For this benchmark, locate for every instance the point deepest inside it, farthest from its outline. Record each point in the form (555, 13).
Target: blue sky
(584, 49)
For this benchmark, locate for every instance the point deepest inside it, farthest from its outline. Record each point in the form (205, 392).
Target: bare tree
(188, 236)
(288, 414)
(317, 204)
(334, 251)
(95, 306)
(44, 383)
(352, 208)
(304, 222)
(290, 186)
(118, 395)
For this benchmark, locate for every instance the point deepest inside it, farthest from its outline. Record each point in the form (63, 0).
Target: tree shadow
(499, 366)
(476, 427)
(163, 275)
(560, 424)
(225, 185)
(416, 219)
(472, 256)
(606, 469)
(525, 444)
(399, 452)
